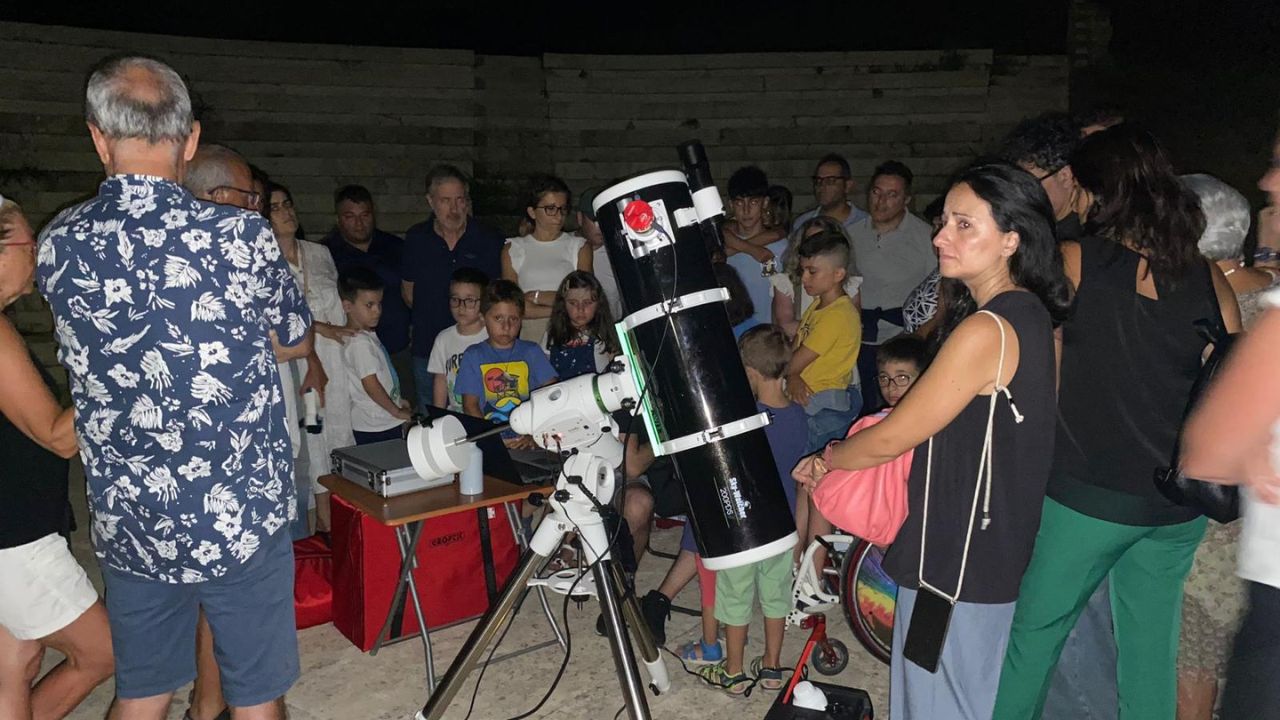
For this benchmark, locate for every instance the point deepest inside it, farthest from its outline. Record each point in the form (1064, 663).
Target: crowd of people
(1034, 335)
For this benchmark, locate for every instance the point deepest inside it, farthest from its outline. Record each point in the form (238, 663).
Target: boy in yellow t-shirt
(826, 349)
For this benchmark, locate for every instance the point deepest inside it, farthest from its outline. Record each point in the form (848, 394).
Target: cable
(600, 556)
(474, 691)
(620, 711)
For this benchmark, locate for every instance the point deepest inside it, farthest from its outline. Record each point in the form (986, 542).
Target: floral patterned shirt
(162, 307)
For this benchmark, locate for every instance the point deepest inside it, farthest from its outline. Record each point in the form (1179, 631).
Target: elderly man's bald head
(137, 97)
(219, 174)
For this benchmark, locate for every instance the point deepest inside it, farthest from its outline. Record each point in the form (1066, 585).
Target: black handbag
(1215, 501)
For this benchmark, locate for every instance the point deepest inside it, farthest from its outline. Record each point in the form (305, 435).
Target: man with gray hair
(433, 249)
(170, 314)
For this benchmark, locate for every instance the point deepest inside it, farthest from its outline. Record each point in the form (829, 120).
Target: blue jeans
(424, 382)
(830, 424)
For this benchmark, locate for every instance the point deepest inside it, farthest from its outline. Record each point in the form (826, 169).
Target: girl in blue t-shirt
(580, 337)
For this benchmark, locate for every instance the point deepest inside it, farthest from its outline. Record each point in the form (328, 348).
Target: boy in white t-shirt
(377, 410)
(466, 286)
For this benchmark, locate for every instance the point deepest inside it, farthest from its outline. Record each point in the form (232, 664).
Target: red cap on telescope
(638, 215)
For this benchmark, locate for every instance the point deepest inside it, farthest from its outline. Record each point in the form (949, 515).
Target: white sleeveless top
(542, 265)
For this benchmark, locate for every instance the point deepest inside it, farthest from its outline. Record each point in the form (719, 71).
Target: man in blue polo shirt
(446, 241)
(356, 241)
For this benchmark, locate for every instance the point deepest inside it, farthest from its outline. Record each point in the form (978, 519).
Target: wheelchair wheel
(868, 595)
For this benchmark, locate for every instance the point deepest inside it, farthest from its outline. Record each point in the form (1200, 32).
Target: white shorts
(42, 588)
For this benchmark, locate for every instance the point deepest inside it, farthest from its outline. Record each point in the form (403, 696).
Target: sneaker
(716, 675)
(656, 609)
(768, 678)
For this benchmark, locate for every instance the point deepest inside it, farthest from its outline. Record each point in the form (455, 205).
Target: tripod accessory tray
(383, 467)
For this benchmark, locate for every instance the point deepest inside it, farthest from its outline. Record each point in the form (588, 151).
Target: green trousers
(1147, 566)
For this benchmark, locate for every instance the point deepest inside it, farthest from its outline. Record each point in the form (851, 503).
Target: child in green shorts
(766, 355)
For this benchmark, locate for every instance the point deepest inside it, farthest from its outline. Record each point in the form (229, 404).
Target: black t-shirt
(1020, 470)
(1128, 364)
(384, 256)
(33, 483)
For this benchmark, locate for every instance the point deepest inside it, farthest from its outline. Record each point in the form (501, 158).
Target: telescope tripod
(574, 508)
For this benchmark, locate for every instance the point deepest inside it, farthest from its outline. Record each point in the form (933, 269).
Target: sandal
(769, 678)
(696, 652)
(716, 675)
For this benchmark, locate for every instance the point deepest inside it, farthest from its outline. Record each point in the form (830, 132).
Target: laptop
(520, 467)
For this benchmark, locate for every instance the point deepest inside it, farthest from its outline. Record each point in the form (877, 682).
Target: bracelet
(1266, 254)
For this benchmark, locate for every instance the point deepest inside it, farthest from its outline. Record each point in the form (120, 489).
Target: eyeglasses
(250, 196)
(282, 205)
(554, 210)
(826, 180)
(900, 380)
(455, 301)
(1047, 175)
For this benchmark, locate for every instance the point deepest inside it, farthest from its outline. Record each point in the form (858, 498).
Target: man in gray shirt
(894, 251)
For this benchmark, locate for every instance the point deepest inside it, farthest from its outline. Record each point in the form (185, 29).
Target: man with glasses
(1042, 146)
(832, 185)
(355, 242)
(894, 251)
(449, 239)
(217, 174)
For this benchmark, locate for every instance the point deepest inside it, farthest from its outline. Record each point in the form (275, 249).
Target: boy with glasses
(465, 290)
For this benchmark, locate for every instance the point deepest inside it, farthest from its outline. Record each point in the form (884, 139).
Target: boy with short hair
(766, 357)
(827, 342)
(899, 363)
(377, 410)
(465, 290)
(496, 375)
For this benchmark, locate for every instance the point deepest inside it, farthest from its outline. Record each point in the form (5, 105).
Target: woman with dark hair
(313, 270)
(976, 454)
(538, 261)
(1130, 355)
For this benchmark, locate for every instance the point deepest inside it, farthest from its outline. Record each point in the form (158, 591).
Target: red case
(312, 582)
(450, 574)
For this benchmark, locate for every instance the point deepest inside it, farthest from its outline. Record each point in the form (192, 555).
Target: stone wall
(319, 116)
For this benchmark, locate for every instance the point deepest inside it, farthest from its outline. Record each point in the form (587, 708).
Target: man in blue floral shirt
(171, 314)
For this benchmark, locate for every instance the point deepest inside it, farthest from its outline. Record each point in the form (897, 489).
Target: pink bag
(869, 503)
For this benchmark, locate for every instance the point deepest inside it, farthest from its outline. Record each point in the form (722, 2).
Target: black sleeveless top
(1128, 364)
(1021, 454)
(33, 485)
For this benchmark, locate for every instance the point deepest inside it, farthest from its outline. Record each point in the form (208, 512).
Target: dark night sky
(625, 27)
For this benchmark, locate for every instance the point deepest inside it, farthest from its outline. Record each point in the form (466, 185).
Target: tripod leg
(620, 642)
(650, 654)
(482, 636)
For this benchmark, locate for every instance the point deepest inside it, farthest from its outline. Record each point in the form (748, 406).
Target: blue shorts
(153, 628)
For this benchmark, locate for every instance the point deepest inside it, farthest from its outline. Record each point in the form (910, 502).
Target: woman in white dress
(539, 261)
(314, 271)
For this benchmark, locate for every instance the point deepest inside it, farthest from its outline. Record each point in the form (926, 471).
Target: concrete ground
(341, 683)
